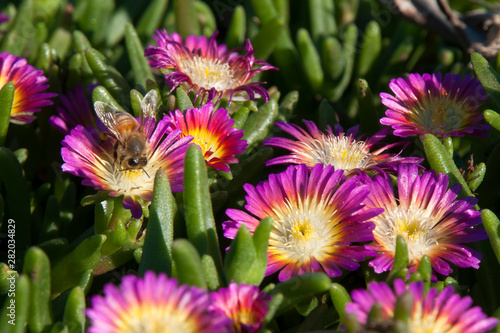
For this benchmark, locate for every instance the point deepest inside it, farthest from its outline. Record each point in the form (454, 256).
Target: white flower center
(301, 232)
(209, 73)
(415, 225)
(432, 322)
(127, 181)
(441, 114)
(343, 153)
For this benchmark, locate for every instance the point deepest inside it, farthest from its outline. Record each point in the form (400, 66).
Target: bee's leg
(115, 153)
(103, 136)
(145, 172)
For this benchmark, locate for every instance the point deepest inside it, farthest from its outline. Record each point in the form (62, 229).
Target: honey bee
(131, 147)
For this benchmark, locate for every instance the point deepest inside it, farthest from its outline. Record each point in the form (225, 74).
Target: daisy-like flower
(443, 312)
(316, 216)
(153, 304)
(429, 103)
(428, 216)
(207, 68)
(213, 132)
(342, 150)
(3, 18)
(245, 305)
(86, 156)
(74, 110)
(29, 86)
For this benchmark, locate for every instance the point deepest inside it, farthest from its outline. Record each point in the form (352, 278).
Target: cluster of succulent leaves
(332, 54)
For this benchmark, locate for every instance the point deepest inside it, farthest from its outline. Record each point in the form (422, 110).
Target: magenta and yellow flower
(318, 219)
(74, 110)
(213, 132)
(429, 103)
(30, 84)
(154, 303)
(428, 216)
(342, 150)
(207, 68)
(86, 156)
(437, 312)
(244, 305)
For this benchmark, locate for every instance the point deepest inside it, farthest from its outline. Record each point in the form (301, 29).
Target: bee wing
(115, 120)
(149, 104)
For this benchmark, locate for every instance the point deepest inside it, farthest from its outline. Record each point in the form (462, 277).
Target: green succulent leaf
(37, 268)
(15, 311)
(188, 264)
(200, 222)
(487, 75)
(441, 161)
(6, 103)
(259, 124)
(16, 199)
(340, 297)
(300, 288)
(237, 28)
(69, 271)
(156, 253)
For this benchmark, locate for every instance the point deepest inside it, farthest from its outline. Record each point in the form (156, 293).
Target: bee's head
(136, 162)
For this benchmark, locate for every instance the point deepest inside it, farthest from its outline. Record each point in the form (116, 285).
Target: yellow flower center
(156, 318)
(302, 231)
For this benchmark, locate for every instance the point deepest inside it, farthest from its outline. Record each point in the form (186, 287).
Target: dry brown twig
(474, 31)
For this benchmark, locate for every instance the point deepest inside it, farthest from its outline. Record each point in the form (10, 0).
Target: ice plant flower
(30, 84)
(245, 305)
(154, 303)
(317, 217)
(86, 156)
(74, 110)
(429, 103)
(207, 68)
(3, 18)
(342, 150)
(428, 216)
(436, 312)
(213, 132)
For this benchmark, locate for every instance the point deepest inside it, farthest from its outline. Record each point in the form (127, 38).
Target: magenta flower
(86, 156)
(29, 86)
(317, 218)
(433, 311)
(213, 132)
(3, 17)
(74, 110)
(245, 305)
(342, 150)
(428, 216)
(428, 103)
(153, 304)
(207, 68)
